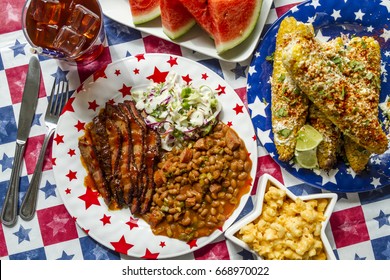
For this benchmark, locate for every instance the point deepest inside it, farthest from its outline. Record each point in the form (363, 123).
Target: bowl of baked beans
(283, 226)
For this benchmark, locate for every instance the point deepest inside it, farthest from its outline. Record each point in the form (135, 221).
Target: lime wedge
(308, 138)
(307, 159)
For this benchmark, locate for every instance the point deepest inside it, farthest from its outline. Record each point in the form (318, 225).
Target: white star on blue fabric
(385, 35)
(359, 15)
(22, 234)
(376, 182)
(18, 48)
(239, 71)
(65, 256)
(336, 14)
(327, 177)
(383, 219)
(252, 70)
(315, 4)
(6, 162)
(386, 3)
(49, 190)
(264, 136)
(257, 108)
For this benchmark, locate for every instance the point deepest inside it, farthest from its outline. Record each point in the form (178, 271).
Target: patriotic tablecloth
(359, 228)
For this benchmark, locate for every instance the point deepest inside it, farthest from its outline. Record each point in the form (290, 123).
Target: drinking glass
(70, 30)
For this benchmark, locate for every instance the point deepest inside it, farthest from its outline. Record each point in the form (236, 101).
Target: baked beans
(199, 185)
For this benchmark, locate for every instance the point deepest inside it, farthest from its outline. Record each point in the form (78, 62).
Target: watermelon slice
(144, 10)
(233, 20)
(175, 18)
(200, 11)
(229, 22)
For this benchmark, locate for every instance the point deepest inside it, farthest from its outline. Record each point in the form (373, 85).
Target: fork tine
(50, 105)
(61, 98)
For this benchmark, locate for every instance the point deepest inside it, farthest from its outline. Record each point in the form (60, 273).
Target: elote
(329, 147)
(351, 109)
(288, 105)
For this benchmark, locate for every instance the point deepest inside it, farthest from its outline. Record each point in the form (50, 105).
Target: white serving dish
(257, 210)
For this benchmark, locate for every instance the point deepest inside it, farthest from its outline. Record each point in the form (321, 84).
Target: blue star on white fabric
(22, 234)
(49, 190)
(6, 162)
(60, 75)
(18, 48)
(246, 255)
(239, 71)
(36, 120)
(383, 219)
(65, 256)
(357, 258)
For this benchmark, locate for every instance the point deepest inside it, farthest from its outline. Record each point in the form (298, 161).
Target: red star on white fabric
(59, 139)
(68, 106)
(117, 72)
(92, 105)
(71, 175)
(133, 223)
(220, 90)
(192, 243)
(72, 152)
(80, 126)
(149, 255)
(106, 219)
(187, 79)
(100, 73)
(90, 198)
(122, 246)
(238, 109)
(172, 61)
(205, 76)
(140, 57)
(125, 90)
(158, 76)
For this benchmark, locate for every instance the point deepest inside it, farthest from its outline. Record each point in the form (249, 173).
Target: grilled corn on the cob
(351, 109)
(289, 106)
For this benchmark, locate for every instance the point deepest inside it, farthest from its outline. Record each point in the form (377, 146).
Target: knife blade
(26, 115)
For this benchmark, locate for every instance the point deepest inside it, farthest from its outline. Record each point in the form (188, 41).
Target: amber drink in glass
(71, 30)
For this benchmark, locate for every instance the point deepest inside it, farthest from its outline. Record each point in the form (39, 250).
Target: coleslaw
(178, 111)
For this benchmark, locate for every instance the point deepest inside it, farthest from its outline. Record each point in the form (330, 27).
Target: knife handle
(9, 213)
(29, 203)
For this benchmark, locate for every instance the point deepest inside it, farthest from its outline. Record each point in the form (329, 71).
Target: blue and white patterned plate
(330, 18)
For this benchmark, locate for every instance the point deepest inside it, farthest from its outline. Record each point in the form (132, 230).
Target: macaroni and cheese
(286, 229)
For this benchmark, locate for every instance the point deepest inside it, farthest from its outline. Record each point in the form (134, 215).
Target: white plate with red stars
(119, 230)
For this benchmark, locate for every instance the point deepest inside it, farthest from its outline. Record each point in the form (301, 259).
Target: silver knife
(26, 115)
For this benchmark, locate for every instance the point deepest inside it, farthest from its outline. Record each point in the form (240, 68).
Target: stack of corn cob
(335, 87)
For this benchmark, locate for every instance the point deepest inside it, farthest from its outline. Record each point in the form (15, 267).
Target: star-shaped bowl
(264, 182)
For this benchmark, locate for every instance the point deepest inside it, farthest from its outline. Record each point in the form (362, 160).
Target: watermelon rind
(140, 19)
(180, 32)
(225, 46)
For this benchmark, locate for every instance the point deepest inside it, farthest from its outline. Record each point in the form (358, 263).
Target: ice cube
(84, 21)
(69, 41)
(45, 34)
(46, 11)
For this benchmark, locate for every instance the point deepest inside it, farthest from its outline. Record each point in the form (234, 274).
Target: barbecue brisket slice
(121, 154)
(90, 159)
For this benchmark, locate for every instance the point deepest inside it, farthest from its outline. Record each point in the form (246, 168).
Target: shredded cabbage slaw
(178, 111)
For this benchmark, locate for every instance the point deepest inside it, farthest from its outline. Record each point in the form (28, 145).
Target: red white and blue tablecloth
(359, 227)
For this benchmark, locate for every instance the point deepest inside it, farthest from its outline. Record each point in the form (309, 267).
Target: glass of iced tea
(70, 30)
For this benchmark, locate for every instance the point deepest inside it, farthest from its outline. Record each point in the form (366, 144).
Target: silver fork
(58, 98)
